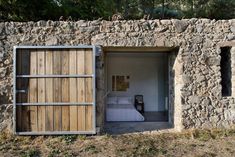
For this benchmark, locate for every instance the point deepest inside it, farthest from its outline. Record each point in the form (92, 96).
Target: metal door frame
(93, 76)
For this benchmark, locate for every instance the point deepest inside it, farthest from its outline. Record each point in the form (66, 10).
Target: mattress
(123, 112)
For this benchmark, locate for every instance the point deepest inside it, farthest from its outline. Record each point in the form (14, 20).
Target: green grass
(92, 149)
(69, 139)
(30, 153)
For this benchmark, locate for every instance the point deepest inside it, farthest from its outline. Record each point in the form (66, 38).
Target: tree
(26, 10)
(213, 9)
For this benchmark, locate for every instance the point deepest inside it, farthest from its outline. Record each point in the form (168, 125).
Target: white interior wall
(148, 76)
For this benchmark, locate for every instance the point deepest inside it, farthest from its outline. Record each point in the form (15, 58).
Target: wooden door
(54, 90)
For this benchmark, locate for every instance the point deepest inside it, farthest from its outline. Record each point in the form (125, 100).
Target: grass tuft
(69, 139)
(92, 149)
(30, 153)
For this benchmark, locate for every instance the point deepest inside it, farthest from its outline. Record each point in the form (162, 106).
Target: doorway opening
(137, 83)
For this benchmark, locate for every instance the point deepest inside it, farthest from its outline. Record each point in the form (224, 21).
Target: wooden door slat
(57, 91)
(88, 62)
(49, 91)
(33, 89)
(88, 90)
(89, 118)
(72, 88)
(81, 89)
(41, 91)
(81, 118)
(65, 90)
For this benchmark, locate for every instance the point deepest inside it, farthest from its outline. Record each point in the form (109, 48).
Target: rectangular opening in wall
(226, 72)
(139, 82)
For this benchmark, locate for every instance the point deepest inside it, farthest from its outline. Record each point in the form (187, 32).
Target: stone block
(194, 99)
(52, 41)
(180, 25)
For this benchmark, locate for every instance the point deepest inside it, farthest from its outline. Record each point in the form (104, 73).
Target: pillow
(124, 100)
(112, 100)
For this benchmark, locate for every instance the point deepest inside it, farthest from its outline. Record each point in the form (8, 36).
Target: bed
(122, 109)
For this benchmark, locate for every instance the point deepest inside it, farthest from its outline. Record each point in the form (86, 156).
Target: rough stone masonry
(199, 95)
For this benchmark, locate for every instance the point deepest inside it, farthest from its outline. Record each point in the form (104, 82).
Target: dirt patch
(197, 143)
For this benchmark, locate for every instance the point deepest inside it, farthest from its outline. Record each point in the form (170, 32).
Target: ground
(198, 143)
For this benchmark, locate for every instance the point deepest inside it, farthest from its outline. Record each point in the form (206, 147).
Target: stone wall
(198, 99)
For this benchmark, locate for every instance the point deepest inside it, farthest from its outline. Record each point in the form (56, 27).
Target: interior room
(136, 86)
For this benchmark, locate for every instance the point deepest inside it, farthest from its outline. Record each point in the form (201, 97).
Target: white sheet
(122, 112)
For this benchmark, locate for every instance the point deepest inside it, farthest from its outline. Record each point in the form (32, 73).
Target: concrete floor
(160, 116)
(134, 127)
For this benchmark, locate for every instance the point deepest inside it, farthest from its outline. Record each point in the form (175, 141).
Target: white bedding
(127, 112)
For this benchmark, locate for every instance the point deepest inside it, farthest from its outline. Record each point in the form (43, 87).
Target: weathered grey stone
(161, 29)
(166, 22)
(2, 27)
(214, 119)
(231, 37)
(186, 93)
(205, 102)
(232, 28)
(41, 23)
(199, 28)
(180, 25)
(1, 56)
(52, 41)
(200, 78)
(2, 72)
(213, 61)
(186, 78)
(194, 99)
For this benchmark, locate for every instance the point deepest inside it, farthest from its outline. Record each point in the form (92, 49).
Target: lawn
(204, 143)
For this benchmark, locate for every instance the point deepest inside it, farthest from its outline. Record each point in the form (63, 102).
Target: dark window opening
(226, 72)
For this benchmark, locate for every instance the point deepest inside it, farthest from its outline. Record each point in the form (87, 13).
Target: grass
(54, 152)
(69, 139)
(92, 149)
(198, 143)
(30, 153)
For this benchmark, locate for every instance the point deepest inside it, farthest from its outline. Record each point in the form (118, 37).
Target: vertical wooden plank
(72, 90)
(81, 89)
(18, 96)
(41, 90)
(49, 91)
(24, 85)
(88, 98)
(89, 90)
(88, 61)
(89, 118)
(57, 90)
(65, 90)
(88, 70)
(81, 61)
(81, 118)
(33, 96)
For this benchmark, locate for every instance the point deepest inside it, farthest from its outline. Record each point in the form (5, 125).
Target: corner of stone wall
(175, 85)
(178, 84)
(232, 51)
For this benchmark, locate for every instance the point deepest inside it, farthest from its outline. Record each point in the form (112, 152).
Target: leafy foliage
(26, 10)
